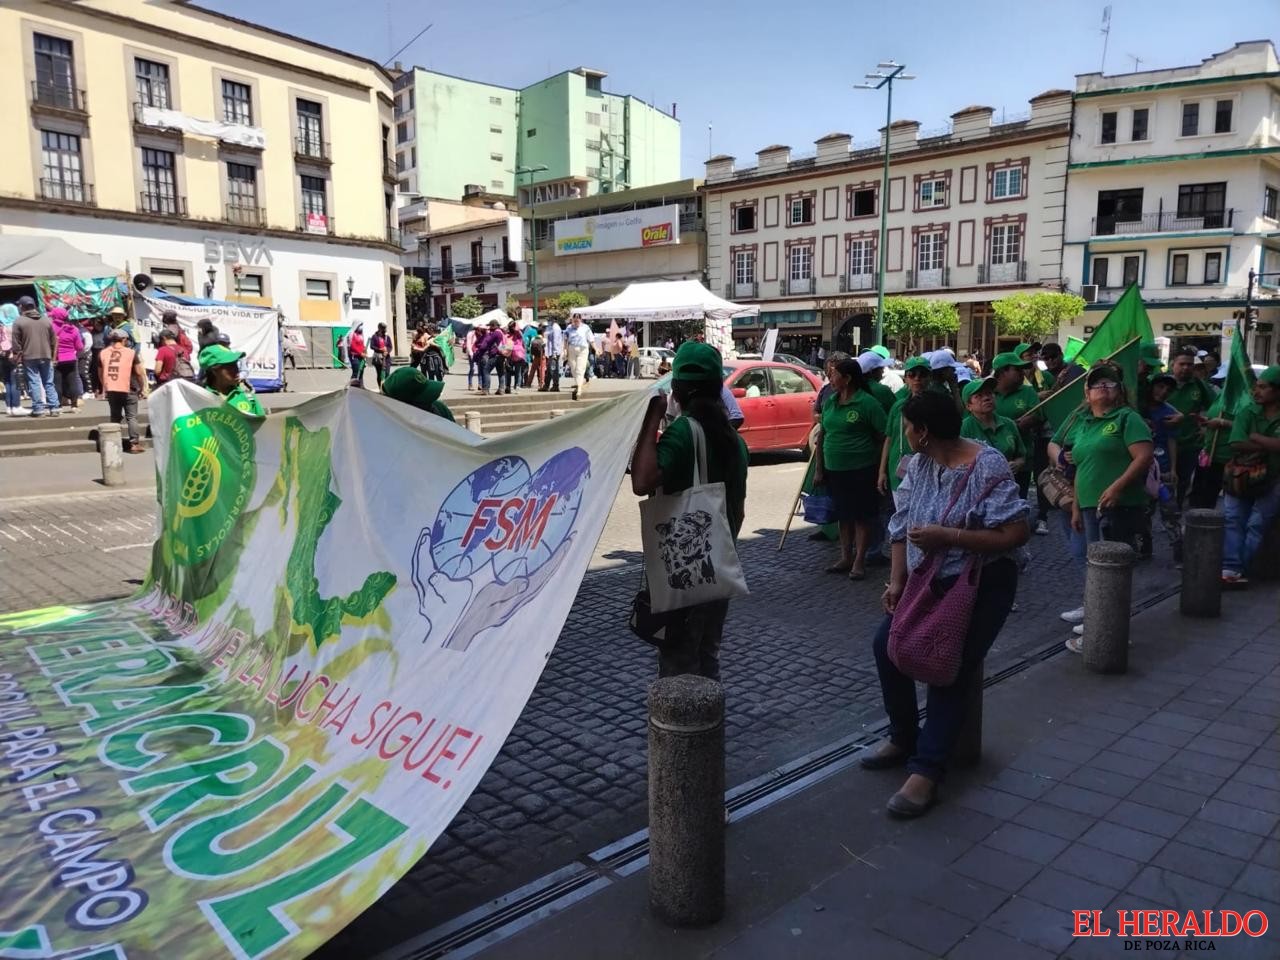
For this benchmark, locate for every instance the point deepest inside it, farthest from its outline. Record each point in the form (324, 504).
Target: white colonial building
(974, 213)
(1174, 184)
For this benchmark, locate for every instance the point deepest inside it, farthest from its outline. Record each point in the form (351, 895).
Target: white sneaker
(1078, 629)
(1073, 644)
(1073, 616)
(1042, 529)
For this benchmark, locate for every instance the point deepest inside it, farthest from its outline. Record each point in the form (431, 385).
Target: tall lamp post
(887, 71)
(533, 234)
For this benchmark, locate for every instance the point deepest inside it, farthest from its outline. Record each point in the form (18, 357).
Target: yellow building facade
(218, 157)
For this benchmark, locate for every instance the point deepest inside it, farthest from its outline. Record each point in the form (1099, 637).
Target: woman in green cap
(983, 424)
(410, 385)
(895, 447)
(1109, 445)
(1254, 432)
(697, 376)
(847, 462)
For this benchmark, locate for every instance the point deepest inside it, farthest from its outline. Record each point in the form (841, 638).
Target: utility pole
(887, 72)
(533, 234)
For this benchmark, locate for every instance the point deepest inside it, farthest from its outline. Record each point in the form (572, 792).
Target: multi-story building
(974, 213)
(217, 156)
(453, 133)
(597, 245)
(1174, 184)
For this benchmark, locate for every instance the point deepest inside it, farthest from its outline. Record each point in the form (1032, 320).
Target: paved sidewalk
(1159, 789)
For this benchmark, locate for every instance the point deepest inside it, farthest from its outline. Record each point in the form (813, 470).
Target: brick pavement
(1155, 790)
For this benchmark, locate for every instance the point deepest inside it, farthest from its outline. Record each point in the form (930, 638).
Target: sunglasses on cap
(1104, 385)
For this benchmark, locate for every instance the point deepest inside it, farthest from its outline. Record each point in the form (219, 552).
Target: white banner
(632, 229)
(238, 133)
(255, 330)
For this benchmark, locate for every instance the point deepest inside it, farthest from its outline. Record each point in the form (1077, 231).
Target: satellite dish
(141, 282)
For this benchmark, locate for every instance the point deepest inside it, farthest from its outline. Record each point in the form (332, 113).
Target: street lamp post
(887, 72)
(533, 235)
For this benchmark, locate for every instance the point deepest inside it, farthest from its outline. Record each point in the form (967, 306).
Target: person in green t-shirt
(694, 633)
(1015, 398)
(1255, 438)
(220, 369)
(410, 385)
(847, 462)
(983, 424)
(1109, 444)
(873, 366)
(916, 373)
(1191, 398)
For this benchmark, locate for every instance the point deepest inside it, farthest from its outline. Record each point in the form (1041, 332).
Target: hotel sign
(552, 190)
(629, 230)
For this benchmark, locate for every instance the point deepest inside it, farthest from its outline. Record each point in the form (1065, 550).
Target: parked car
(651, 358)
(776, 401)
(785, 358)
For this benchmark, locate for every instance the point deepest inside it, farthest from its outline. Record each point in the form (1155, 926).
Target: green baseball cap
(409, 385)
(916, 363)
(216, 355)
(1149, 353)
(973, 386)
(882, 351)
(1271, 375)
(1022, 348)
(697, 363)
(1011, 359)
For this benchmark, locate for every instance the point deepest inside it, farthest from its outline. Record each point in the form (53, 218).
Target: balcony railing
(320, 223)
(503, 267)
(797, 288)
(741, 290)
(1015, 272)
(394, 236)
(311, 148)
(690, 222)
(162, 204)
(67, 191)
(245, 214)
(1165, 222)
(441, 274)
(857, 281)
(57, 96)
(928, 279)
(473, 268)
(389, 169)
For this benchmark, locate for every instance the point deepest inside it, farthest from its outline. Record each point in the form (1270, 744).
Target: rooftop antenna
(710, 154)
(1106, 34)
(1137, 61)
(408, 45)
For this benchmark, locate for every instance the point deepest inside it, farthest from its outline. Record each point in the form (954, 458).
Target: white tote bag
(689, 554)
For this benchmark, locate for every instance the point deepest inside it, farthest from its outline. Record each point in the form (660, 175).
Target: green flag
(1127, 320)
(1072, 349)
(1058, 407)
(444, 340)
(1236, 389)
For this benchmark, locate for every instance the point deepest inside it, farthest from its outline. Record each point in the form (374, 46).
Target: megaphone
(141, 282)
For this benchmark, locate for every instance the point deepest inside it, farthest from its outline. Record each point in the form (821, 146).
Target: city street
(797, 670)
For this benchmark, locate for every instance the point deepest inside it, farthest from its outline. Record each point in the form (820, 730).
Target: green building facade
(453, 135)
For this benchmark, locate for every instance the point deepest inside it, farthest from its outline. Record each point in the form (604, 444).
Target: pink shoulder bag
(931, 621)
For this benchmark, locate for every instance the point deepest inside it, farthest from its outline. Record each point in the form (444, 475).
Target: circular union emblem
(589, 227)
(1111, 429)
(852, 416)
(210, 476)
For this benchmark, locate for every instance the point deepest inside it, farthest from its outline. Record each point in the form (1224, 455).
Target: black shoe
(555, 389)
(884, 761)
(907, 809)
(575, 393)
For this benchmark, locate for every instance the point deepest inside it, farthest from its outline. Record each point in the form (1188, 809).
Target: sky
(761, 72)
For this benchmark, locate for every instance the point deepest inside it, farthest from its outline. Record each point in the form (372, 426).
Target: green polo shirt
(1016, 405)
(1194, 396)
(882, 394)
(245, 400)
(852, 432)
(1004, 436)
(896, 431)
(676, 460)
(1100, 449)
(1251, 419)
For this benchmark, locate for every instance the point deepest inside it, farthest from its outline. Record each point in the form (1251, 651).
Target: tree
(512, 306)
(415, 296)
(1030, 316)
(466, 308)
(908, 319)
(558, 307)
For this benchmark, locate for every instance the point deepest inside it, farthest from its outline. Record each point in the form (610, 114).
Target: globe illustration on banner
(552, 499)
(457, 546)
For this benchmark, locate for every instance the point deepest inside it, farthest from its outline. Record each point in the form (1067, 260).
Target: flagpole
(1068, 386)
(791, 514)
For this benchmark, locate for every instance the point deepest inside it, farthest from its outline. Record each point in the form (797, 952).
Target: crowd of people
(54, 362)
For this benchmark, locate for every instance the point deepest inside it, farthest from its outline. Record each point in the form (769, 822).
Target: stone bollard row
(472, 420)
(1108, 593)
(1202, 563)
(111, 451)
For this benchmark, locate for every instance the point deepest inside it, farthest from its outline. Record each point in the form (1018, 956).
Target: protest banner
(254, 330)
(348, 606)
(82, 299)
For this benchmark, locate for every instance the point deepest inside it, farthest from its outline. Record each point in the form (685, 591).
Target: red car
(776, 401)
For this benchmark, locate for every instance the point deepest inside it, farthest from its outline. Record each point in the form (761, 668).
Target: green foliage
(466, 308)
(512, 306)
(415, 296)
(558, 307)
(908, 319)
(1030, 316)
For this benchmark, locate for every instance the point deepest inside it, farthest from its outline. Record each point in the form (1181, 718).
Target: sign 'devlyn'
(629, 230)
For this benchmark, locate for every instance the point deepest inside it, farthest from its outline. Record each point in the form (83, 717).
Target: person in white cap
(873, 366)
(942, 363)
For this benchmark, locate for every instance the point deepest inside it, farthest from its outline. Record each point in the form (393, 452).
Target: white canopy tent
(25, 258)
(667, 300)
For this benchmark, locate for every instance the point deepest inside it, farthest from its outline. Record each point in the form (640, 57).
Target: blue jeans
(9, 374)
(929, 748)
(1121, 524)
(1075, 541)
(475, 367)
(40, 385)
(1247, 523)
(485, 366)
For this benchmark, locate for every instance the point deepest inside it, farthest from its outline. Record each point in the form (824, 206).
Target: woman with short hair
(958, 497)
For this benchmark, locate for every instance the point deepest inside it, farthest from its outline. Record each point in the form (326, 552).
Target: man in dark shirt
(36, 343)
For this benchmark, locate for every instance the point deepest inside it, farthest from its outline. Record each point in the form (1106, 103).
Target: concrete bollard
(472, 418)
(686, 800)
(1202, 563)
(556, 413)
(967, 751)
(1108, 590)
(111, 451)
